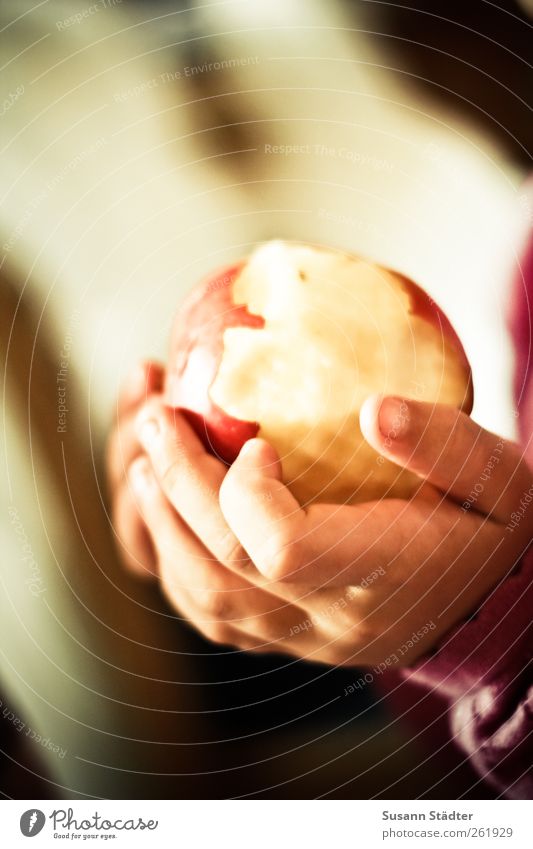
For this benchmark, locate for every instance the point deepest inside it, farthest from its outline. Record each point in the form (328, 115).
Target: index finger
(191, 479)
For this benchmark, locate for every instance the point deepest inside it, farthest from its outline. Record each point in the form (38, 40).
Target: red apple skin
(425, 307)
(196, 350)
(197, 347)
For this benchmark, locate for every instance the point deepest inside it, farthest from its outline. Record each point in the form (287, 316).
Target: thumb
(446, 447)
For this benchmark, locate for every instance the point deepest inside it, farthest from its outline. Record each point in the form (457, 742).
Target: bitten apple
(287, 344)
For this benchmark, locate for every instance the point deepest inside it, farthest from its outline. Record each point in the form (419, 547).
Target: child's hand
(123, 447)
(240, 558)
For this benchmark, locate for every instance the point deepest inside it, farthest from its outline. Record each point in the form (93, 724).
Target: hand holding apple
(241, 560)
(252, 554)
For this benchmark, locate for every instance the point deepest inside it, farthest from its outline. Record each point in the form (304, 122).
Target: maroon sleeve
(484, 667)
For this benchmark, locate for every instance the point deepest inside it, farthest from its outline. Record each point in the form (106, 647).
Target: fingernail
(248, 449)
(148, 431)
(253, 453)
(393, 418)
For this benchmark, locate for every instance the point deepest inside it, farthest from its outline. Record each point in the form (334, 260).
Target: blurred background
(138, 152)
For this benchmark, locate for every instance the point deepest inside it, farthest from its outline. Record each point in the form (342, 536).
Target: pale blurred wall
(118, 192)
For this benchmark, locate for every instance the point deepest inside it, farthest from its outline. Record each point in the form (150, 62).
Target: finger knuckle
(215, 603)
(231, 551)
(283, 557)
(179, 468)
(264, 629)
